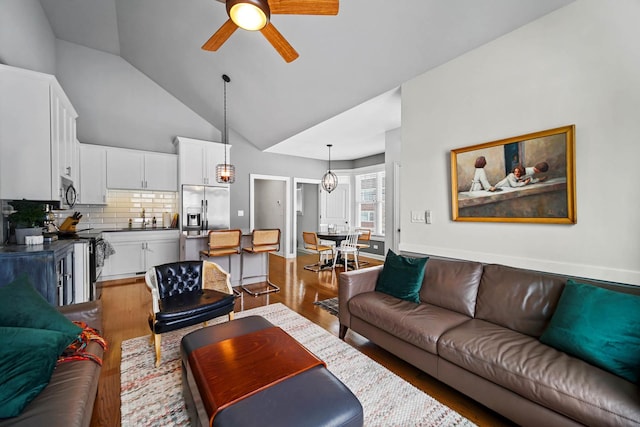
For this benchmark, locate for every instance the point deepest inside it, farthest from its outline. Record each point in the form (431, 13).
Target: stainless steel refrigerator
(205, 208)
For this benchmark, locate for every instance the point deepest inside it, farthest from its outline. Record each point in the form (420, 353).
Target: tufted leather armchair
(186, 293)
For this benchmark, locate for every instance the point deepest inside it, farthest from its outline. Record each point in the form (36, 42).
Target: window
(370, 201)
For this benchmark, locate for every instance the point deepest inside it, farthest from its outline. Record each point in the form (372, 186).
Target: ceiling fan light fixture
(251, 15)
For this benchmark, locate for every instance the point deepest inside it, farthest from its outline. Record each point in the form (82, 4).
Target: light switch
(428, 216)
(240, 213)
(417, 216)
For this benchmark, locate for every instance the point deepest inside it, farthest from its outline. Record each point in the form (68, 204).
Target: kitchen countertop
(45, 247)
(115, 230)
(205, 233)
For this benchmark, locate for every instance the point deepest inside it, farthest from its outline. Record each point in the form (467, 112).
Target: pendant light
(225, 172)
(329, 180)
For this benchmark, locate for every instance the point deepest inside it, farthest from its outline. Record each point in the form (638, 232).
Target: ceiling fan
(254, 15)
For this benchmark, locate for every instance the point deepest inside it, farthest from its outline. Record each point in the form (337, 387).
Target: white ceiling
(343, 89)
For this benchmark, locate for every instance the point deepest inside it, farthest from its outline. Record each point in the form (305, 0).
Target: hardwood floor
(126, 304)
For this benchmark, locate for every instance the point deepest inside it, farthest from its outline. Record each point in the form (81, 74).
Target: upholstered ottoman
(247, 372)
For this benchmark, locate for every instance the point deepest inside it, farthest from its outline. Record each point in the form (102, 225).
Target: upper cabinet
(63, 136)
(37, 135)
(93, 175)
(141, 170)
(198, 160)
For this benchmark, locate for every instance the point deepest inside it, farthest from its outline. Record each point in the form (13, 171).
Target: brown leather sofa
(68, 398)
(477, 329)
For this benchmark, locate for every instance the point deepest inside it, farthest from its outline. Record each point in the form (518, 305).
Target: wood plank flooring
(126, 305)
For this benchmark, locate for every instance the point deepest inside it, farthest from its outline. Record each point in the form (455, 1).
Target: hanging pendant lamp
(329, 180)
(225, 172)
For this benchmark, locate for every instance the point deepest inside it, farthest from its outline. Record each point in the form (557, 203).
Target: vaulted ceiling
(368, 50)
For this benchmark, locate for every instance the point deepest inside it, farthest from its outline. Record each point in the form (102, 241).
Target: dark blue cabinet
(49, 268)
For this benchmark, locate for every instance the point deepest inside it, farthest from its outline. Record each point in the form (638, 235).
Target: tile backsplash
(123, 205)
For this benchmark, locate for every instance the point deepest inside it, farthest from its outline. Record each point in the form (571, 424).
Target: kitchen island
(255, 266)
(49, 267)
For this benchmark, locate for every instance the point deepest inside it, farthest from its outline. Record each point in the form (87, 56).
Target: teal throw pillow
(402, 276)
(600, 326)
(27, 360)
(23, 306)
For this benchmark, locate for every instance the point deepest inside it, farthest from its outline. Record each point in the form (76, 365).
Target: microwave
(68, 194)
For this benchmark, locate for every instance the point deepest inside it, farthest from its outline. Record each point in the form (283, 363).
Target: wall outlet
(375, 246)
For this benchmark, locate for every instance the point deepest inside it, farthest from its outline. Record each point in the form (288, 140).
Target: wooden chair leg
(231, 315)
(157, 338)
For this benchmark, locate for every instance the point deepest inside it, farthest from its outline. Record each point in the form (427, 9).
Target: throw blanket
(77, 350)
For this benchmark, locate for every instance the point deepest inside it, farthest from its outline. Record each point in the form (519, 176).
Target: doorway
(269, 207)
(306, 215)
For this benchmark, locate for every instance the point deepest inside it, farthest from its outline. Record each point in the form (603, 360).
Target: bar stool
(221, 243)
(262, 241)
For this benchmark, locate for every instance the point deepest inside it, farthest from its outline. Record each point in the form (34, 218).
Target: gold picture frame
(526, 178)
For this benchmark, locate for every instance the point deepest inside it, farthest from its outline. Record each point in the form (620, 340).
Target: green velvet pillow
(599, 326)
(22, 306)
(27, 359)
(402, 276)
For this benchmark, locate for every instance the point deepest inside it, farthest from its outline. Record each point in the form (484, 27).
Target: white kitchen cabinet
(141, 170)
(92, 184)
(197, 160)
(63, 136)
(137, 251)
(36, 120)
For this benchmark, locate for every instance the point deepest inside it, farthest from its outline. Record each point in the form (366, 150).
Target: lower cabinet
(49, 269)
(137, 251)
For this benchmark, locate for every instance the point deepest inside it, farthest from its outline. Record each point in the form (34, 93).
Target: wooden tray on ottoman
(249, 372)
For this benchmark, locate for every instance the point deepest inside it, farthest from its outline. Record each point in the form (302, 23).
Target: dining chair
(347, 246)
(186, 293)
(312, 243)
(263, 241)
(364, 235)
(223, 243)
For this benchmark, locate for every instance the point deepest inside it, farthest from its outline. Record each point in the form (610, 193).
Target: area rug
(331, 305)
(153, 396)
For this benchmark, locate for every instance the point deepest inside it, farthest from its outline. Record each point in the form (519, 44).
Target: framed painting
(527, 178)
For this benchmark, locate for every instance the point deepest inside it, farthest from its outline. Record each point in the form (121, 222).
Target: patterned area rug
(153, 397)
(331, 305)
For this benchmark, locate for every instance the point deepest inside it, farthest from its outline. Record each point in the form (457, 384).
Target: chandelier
(225, 172)
(329, 180)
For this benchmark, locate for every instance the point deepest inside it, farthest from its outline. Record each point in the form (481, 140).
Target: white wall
(26, 38)
(119, 106)
(579, 65)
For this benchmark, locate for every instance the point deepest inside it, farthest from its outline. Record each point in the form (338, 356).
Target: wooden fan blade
(220, 36)
(279, 42)
(304, 7)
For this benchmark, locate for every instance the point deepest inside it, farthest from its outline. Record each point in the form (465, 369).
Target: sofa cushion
(522, 300)
(27, 359)
(542, 374)
(419, 324)
(452, 284)
(22, 306)
(401, 276)
(599, 326)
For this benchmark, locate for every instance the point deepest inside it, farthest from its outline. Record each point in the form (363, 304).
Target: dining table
(337, 237)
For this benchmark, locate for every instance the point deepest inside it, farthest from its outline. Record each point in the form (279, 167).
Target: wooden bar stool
(223, 243)
(262, 241)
